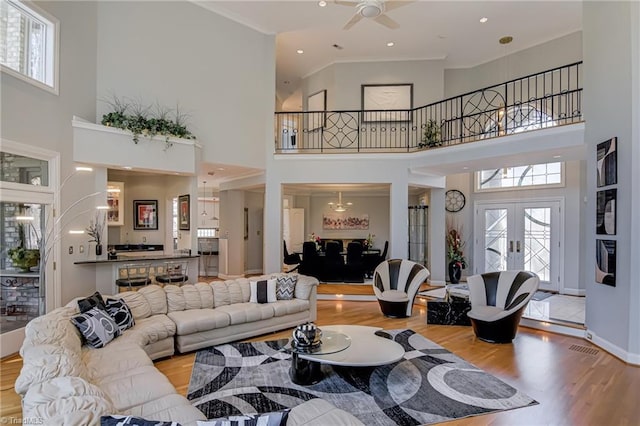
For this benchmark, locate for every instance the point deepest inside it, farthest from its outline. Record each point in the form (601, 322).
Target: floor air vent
(584, 349)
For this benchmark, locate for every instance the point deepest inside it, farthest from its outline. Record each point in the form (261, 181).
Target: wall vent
(584, 349)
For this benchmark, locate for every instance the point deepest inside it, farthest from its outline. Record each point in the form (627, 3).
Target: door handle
(511, 246)
(518, 246)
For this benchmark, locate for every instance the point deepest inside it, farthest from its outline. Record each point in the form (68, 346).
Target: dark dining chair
(373, 260)
(332, 262)
(355, 267)
(290, 259)
(311, 264)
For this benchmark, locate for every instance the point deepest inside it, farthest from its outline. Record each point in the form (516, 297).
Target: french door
(523, 235)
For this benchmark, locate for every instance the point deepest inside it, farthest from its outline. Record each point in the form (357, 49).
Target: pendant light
(204, 201)
(340, 206)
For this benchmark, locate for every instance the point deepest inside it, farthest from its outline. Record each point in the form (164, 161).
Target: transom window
(28, 43)
(547, 174)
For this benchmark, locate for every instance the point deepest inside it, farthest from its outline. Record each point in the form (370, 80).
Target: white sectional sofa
(64, 382)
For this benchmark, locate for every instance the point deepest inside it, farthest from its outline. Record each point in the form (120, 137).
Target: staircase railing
(546, 99)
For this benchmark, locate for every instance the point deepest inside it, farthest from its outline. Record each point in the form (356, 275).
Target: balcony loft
(539, 102)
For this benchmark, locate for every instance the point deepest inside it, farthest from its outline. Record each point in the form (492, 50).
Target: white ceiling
(448, 30)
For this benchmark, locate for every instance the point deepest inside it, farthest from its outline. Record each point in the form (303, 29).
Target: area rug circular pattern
(429, 385)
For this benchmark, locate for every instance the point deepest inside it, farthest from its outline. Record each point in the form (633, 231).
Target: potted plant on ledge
(457, 262)
(21, 257)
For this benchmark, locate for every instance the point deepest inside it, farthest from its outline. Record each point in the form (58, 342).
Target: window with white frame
(546, 174)
(28, 43)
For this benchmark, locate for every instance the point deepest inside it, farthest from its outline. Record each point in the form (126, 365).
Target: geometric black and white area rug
(429, 385)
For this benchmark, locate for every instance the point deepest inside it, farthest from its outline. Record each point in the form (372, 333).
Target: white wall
(555, 53)
(254, 202)
(343, 81)
(35, 117)
(611, 74)
(218, 71)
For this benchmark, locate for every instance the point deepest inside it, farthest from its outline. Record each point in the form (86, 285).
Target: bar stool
(207, 248)
(174, 272)
(136, 275)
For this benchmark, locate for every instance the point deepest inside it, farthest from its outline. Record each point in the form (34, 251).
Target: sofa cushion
(288, 307)
(39, 366)
(318, 412)
(121, 314)
(191, 297)
(138, 304)
(263, 291)
(156, 297)
(235, 291)
(140, 385)
(206, 295)
(93, 301)
(175, 298)
(97, 327)
(150, 330)
(304, 286)
(66, 401)
(285, 287)
(195, 320)
(118, 420)
(116, 358)
(220, 294)
(175, 407)
(241, 313)
(54, 328)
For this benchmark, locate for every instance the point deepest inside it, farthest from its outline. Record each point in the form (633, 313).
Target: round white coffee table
(365, 350)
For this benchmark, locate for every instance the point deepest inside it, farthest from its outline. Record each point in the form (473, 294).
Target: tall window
(28, 43)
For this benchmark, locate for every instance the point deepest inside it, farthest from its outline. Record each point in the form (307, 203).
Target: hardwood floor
(572, 386)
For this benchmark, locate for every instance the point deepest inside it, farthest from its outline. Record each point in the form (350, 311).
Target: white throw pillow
(263, 291)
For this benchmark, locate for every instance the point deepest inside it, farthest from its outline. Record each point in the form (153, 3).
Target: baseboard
(574, 291)
(553, 328)
(229, 277)
(614, 350)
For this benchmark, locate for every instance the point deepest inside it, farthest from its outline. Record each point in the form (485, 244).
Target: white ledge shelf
(113, 147)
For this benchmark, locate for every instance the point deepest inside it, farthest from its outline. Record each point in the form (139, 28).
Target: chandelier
(339, 206)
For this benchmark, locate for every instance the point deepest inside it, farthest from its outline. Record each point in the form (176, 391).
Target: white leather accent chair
(498, 300)
(396, 283)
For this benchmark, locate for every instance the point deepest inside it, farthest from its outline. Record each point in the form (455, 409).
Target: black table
(453, 312)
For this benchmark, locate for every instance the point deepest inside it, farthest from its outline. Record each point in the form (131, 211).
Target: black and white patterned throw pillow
(93, 301)
(121, 314)
(276, 418)
(97, 327)
(286, 286)
(116, 420)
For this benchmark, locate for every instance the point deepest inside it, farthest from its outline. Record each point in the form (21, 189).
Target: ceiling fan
(373, 9)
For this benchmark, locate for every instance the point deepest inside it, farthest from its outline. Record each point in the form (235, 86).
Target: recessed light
(322, 3)
(483, 19)
(220, 168)
(300, 51)
(465, 168)
(505, 40)
(557, 156)
(390, 44)
(127, 167)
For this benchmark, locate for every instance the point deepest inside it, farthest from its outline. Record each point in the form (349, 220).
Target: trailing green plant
(431, 137)
(21, 256)
(137, 118)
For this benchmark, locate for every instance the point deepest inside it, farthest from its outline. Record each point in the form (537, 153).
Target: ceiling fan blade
(390, 5)
(346, 3)
(387, 22)
(354, 20)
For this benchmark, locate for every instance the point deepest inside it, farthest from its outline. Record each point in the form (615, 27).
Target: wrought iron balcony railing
(542, 100)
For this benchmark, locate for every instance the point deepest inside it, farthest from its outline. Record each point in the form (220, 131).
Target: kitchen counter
(130, 258)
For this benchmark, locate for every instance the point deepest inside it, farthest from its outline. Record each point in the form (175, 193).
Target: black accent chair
(290, 259)
(498, 300)
(311, 264)
(332, 263)
(396, 283)
(354, 269)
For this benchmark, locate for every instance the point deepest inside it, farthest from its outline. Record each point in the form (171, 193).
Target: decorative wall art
(184, 208)
(606, 212)
(338, 221)
(607, 162)
(606, 262)
(145, 214)
(317, 102)
(381, 97)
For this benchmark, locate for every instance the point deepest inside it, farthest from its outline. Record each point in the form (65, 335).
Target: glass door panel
(495, 240)
(537, 241)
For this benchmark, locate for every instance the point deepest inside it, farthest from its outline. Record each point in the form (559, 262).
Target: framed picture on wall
(145, 214)
(316, 107)
(606, 262)
(387, 102)
(606, 212)
(607, 162)
(184, 209)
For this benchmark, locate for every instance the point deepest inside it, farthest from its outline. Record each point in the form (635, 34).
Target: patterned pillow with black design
(96, 326)
(275, 418)
(286, 287)
(121, 314)
(117, 420)
(93, 301)
(263, 291)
